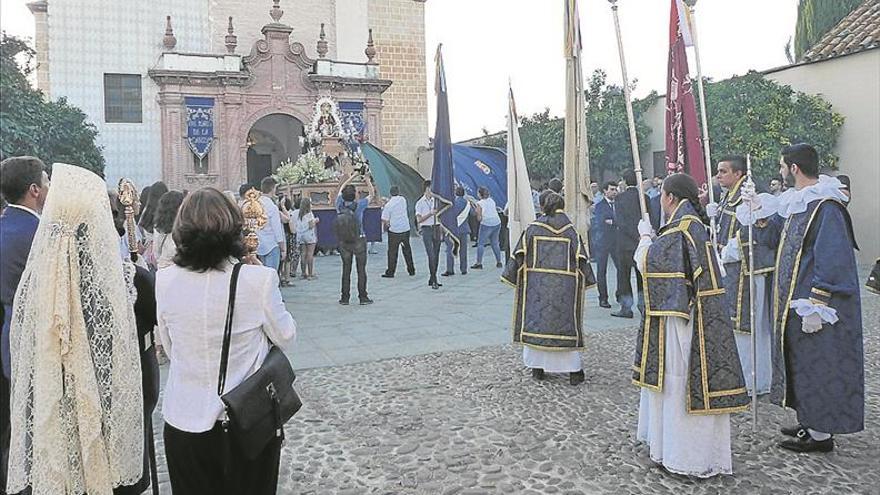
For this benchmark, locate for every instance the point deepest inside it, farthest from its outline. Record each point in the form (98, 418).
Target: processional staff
(128, 197)
(754, 338)
(633, 138)
(254, 219)
(127, 194)
(705, 119)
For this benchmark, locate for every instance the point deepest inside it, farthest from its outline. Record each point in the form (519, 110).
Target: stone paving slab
(408, 318)
(474, 422)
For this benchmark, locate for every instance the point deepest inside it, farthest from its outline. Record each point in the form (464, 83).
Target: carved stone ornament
(169, 41)
(323, 47)
(231, 39)
(275, 13)
(370, 51)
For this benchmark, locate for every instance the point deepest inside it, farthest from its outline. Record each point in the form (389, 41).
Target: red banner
(684, 152)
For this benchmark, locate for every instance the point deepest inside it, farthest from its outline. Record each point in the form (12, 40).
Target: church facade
(218, 92)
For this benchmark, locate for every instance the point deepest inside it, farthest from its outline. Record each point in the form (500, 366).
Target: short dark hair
(169, 204)
(395, 191)
(349, 193)
(267, 184)
(555, 185)
(483, 192)
(459, 191)
(629, 177)
(148, 210)
(551, 202)
(737, 163)
(777, 178)
(17, 174)
(804, 156)
(426, 185)
(244, 188)
(207, 231)
(608, 184)
(844, 179)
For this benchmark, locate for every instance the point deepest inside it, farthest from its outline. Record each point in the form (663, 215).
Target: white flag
(520, 207)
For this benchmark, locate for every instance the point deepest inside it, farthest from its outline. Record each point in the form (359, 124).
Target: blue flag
(442, 174)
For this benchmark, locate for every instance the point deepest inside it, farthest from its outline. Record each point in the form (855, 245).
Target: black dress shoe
(805, 443)
(792, 431)
(498, 265)
(343, 302)
(604, 304)
(365, 301)
(537, 373)
(477, 266)
(435, 286)
(623, 314)
(447, 274)
(464, 272)
(576, 378)
(387, 275)
(412, 273)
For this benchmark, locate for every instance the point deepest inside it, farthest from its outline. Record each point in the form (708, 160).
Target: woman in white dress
(686, 358)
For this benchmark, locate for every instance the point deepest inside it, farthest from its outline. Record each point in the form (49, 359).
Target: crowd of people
(95, 287)
(693, 355)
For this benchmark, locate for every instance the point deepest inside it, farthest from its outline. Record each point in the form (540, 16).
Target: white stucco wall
(852, 85)
(89, 38)
(351, 30)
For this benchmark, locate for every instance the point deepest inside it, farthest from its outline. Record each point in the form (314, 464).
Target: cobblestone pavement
(473, 421)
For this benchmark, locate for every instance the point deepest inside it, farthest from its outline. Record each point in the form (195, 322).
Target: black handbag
(256, 410)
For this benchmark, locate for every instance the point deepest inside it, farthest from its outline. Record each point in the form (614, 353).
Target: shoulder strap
(227, 331)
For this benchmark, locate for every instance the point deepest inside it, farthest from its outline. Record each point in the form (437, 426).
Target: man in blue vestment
(818, 358)
(24, 185)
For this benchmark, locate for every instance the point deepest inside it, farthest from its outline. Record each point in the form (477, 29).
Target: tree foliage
(815, 19)
(30, 124)
(607, 133)
(752, 114)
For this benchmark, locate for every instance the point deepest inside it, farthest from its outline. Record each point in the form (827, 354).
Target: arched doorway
(270, 141)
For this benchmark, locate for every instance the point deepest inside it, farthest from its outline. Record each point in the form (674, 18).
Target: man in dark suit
(628, 216)
(605, 238)
(24, 185)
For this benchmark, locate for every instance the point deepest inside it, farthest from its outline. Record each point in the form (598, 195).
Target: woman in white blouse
(191, 300)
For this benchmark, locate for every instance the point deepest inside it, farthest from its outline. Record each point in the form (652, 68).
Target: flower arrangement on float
(308, 169)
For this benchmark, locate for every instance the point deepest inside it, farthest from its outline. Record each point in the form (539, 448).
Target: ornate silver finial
(322, 43)
(613, 4)
(276, 11)
(231, 39)
(370, 51)
(169, 41)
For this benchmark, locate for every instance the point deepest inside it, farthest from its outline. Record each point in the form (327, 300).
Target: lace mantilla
(76, 400)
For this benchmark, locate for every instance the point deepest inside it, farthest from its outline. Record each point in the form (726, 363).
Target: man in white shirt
(426, 210)
(395, 219)
(272, 247)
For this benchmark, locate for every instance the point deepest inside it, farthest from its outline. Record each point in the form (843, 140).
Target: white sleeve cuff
(805, 307)
(744, 216)
(730, 252)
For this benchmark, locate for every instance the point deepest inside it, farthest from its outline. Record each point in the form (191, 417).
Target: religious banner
(199, 124)
(353, 120)
(684, 151)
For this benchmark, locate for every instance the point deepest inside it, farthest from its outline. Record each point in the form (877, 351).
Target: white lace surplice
(552, 361)
(694, 445)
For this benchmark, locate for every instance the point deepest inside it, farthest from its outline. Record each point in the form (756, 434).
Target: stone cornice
(335, 83)
(192, 78)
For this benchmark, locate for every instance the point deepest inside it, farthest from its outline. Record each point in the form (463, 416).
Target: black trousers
(432, 242)
(394, 241)
(625, 267)
(358, 251)
(602, 255)
(4, 428)
(196, 463)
